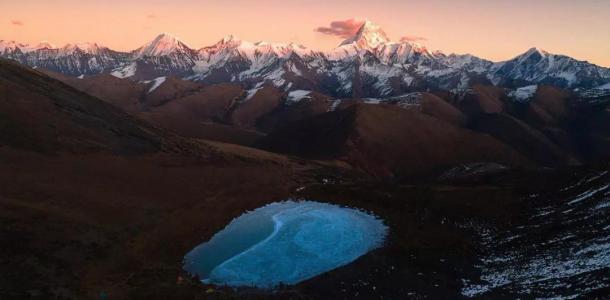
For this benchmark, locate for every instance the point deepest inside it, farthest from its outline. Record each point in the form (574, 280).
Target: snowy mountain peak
(167, 35)
(369, 36)
(164, 44)
(85, 47)
(280, 49)
(227, 42)
(8, 45)
(73, 48)
(44, 45)
(24, 48)
(231, 45)
(533, 55)
(537, 51)
(368, 60)
(228, 39)
(538, 66)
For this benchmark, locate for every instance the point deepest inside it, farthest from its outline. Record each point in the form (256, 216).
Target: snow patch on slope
(335, 104)
(540, 259)
(603, 87)
(297, 96)
(251, 93)
(523, 94)
(125, 72)
(156, 83)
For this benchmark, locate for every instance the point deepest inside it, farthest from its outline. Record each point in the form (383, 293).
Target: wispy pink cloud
(151, 16)
(343, 29)
(413, 38)
(17, 23)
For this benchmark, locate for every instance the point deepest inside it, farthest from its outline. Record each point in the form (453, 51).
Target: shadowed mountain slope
(388, 140)
(42, 114)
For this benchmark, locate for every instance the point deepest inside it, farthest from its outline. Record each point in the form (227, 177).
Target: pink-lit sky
(496, 30)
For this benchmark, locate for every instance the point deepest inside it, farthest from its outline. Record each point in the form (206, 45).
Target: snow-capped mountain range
(367, 64)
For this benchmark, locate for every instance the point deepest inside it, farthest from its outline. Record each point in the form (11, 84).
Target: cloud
(151, 16)
(343, 29)
(413, 38)
(16, 23)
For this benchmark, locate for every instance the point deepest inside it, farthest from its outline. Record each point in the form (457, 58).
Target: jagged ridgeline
(367, 64)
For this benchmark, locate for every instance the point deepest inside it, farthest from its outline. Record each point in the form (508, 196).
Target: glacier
(285, 243)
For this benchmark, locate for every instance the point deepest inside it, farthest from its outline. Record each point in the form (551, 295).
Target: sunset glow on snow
(495, 30)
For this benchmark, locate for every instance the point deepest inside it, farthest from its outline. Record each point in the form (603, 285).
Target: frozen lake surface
(285, 242)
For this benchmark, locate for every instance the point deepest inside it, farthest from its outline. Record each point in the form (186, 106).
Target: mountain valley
(491, 177)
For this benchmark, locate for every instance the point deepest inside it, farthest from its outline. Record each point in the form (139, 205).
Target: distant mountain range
(367, 64)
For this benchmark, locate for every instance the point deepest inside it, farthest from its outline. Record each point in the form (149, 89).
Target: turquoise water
(285, 242)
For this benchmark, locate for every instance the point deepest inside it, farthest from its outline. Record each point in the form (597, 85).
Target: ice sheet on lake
(307, 239)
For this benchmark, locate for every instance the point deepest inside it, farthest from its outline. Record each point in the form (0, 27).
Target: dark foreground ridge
(484, 197)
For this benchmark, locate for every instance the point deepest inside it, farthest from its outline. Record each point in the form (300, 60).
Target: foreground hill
(95, 203)
(90, 193)
(43, 114)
